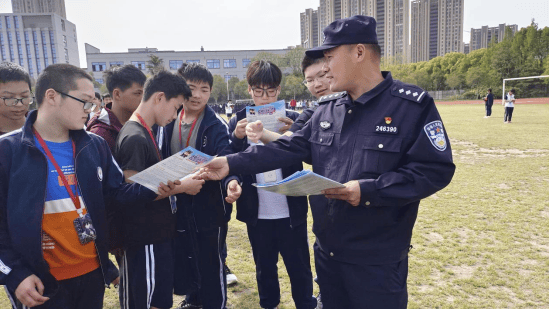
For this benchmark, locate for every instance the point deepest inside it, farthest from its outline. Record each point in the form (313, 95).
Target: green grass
(482, 242)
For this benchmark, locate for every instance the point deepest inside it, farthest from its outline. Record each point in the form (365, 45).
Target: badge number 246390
(390, 129)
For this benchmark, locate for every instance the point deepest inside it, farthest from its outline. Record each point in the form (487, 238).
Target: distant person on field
(229, 110)
(488, 103)
(15, 96)
(508, 104)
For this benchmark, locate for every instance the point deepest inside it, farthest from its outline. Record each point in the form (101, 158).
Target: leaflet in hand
(175, 167)
(269, 114)
(301, 183)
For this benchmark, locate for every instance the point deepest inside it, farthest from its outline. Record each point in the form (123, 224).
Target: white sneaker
(230, 277)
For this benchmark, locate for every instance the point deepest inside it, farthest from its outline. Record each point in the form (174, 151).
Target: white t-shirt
(509, 103)
(228, 109)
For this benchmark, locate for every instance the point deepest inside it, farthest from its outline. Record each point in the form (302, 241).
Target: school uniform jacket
(23, 185)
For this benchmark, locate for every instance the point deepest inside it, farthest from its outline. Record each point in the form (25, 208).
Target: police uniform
(392, 140)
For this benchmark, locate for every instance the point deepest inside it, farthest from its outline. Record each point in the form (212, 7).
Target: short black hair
(513, 91)
(172, 85)
(60, 77)
(264, 73)
(490, 90)
(12, 72)
(308, 61)
(107, 95)
(375, 48)
(196, 72)
(123, 77)
(98, 96)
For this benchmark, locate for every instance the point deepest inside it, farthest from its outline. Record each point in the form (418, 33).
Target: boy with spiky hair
(15, 96)
(125, 85)
(147, 269)
(202, 219)
(275, 223)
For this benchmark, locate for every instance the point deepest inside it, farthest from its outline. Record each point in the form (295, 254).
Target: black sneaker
(231, 278)
(185, 305)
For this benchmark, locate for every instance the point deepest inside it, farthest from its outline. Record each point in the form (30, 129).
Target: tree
(219, 89)
(293, 60)
(241, 90)
(155, 64)
(293, 86)
(232, 82)
(274, 58)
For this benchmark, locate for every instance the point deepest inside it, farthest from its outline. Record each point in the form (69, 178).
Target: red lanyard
(144, 124)
(190, 130)
(62, 176)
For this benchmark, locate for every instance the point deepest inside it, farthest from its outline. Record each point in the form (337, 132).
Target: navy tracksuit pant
(269, 238)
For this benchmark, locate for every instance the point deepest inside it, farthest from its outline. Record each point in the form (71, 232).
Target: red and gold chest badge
(388, 120)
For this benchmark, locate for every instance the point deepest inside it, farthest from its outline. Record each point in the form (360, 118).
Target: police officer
(385, 141)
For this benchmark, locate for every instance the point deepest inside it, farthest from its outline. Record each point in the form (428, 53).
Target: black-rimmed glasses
(259, 92)
(10, 102)
(87, 105)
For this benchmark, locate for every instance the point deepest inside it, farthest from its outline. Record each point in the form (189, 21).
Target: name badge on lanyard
(270, 176)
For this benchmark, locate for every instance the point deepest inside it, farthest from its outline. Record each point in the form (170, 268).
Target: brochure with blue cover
(269, 114)
(301, 183)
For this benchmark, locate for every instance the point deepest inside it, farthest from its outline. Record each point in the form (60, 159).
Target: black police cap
(352, 30)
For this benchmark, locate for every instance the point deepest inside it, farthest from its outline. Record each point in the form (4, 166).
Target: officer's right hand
(190, 186)
(240, 130)
(255, 131)
(216, 170)
(29, 292)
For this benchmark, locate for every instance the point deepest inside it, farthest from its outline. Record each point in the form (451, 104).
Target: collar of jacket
(80, 137)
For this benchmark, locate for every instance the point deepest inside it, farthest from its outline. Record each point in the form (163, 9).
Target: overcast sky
(116, 25)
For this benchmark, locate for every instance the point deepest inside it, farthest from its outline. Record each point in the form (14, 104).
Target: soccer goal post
(520, 78)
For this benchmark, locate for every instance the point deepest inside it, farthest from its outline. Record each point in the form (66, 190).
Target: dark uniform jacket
(208, 209)
(23, 176)
(248, 203)
(392, 140)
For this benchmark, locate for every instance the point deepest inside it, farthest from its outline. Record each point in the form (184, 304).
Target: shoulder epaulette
(408, 91)
(331, 97)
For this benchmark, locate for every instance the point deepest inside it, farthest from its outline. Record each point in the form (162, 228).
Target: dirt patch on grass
(434, 237)
(470, 152)
(463, 271)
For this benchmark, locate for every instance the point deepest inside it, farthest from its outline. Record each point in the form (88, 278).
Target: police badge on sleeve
(435, 133)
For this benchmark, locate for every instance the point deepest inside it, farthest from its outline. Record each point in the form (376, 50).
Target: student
(107, 100)
(15, 96)
(318, 85)
(202, 219)
(229, 110)
(125, 85)
(47, 249)
(508, 103)
(149, 227)
(275, 223)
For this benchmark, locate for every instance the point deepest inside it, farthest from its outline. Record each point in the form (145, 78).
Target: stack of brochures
(301, 183)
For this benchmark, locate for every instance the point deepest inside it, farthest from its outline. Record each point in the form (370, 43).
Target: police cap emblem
(435, 133)
(325, 125)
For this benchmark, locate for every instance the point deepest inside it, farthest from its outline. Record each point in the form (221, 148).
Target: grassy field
(482, 242)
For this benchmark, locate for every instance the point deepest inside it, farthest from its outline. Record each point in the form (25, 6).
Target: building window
(16, 22)
(66, 55)
(0, 24)
(228, 77)
(52, 43)
(98, 66)
(65, 40)
(230, 63)
(38, 69)
(45, 50)
(8, 24)
(246, 62)
(213, 63)
(29, 60)
(2, 44)
(116, 63)
(175, 64)
(139, 64)
(10, 44)
(100, 81)
(63, 25)
(193, 61)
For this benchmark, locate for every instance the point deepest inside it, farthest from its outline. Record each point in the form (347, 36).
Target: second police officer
(385, 141)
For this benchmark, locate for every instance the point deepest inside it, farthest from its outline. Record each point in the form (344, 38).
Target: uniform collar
(388, 80)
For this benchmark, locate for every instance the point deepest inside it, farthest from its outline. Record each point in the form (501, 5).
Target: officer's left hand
(350, 193)
(233, 191)
(288, 123)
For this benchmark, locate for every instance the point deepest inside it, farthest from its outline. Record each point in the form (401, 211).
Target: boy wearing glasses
(55, 179)
(275, 223)
(15, 96)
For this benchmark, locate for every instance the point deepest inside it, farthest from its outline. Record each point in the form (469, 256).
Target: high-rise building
(309, 27)
(482, 37)
(436, 28)
(392, 20)
(39, 6)
(35, 41)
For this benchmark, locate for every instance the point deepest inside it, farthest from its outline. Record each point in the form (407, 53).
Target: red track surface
(499, 101)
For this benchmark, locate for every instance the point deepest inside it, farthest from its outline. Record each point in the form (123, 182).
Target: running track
(498, 101)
